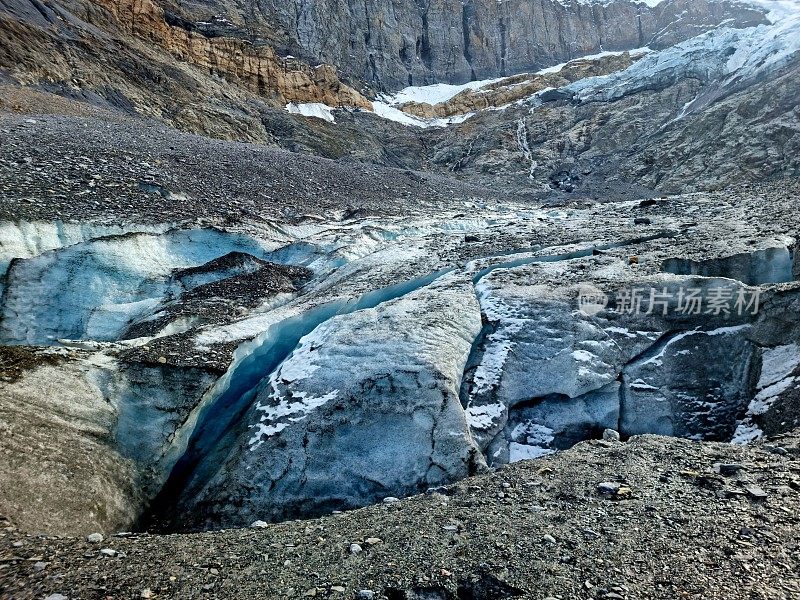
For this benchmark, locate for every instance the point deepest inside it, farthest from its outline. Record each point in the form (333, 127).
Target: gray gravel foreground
(666, 523)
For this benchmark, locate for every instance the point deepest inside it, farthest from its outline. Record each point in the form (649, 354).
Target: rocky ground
(135, 170)
(651, 518)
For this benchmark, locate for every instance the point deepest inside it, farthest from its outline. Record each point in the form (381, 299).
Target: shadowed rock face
(390, 45)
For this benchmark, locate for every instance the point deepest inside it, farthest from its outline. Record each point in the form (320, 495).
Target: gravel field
(650, 518)
(131, 169)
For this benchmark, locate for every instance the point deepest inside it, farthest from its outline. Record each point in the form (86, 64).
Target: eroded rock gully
(269, 373)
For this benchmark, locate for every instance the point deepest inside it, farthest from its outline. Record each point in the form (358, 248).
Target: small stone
(390, 500)
(624, 491)
(108, 552)
(17, 544)
(162, 360)
(614, 489)
(40, 565)
(213, 571)
(147, 593)
(258, 524)
(337, 588)
(365, 595)
(371, 541)
(779, 450)
(548, 538)
(613, 596)
(642, 221)
(94, 538)
(756, 493)
(611, 435)
(608, 488)
(310, 593)
(355, 548)
(56, 597)
(728, 469)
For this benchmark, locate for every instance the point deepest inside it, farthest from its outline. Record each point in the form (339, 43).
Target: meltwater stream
(221, 420)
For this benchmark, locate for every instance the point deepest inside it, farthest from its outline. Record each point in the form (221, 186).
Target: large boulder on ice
(367, 406)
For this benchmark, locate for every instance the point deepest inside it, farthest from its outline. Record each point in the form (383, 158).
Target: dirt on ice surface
(654, 517)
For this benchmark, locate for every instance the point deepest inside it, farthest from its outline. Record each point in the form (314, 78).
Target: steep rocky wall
(134, 56)
(393, 44)
(257, 67)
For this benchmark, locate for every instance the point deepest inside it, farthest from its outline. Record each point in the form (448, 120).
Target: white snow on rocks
(293, 409)
(312, 109)
(387, 105)
(604, 53)
(434, 94)
(518, 452)
(727, 55)
(390, 113)
(485, 416)
(778, 364)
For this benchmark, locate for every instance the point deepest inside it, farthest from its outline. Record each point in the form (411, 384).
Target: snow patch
(433, 94)
(312, 109)
(484, 417)
(390, 113)
(293, 410)
(518, 452)
(537, 438)
(778, 363)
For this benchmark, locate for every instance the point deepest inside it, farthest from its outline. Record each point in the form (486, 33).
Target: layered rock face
(390, 45)
(256, 66)
(520, 87)
(134, 57)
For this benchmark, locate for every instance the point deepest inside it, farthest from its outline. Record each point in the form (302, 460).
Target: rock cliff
(389, 45)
